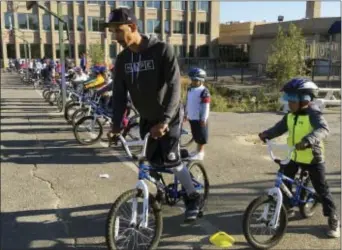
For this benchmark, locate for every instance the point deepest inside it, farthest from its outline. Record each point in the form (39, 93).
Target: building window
(95, 24)
(203, 6)
(191, 27)
(81, 50)
(8, 20)
(203, 51)
(48, 50)
(22, 50)
(80, 2)
(35, 50)
(153, 4)
(96, 2)
(10, 51)
(140, 4)
(153, 26)
(67, 19)
(167, 5)
(112, 51)
(128, 4)
(192, 5)
(191, 51)
(28, 21)
(46, 22)
(167, 26)
(178, 5)
(70, 47)
(80, 23)
(203, 28)
(178, 27)
(179, 50)
(111, 3)
(140, 26)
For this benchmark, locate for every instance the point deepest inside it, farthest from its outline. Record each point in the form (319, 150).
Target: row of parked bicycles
(135, 218)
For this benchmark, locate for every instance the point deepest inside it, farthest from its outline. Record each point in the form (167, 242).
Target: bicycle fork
(144, 220)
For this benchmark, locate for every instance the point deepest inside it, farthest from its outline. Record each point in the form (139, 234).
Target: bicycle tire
(110, 224)
(206, 182)
(50, 100)
(283, 220)
(46, 94)
(60, 103)
(68, 116)
(88, 142)
(187, 143)
(74, 115)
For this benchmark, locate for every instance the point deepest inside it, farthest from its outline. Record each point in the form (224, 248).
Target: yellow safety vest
(98, 82)
(296, 133)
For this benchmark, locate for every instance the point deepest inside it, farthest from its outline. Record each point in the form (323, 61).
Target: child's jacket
(309, 126)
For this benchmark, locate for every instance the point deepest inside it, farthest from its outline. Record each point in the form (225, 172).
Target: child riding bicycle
(307, 129)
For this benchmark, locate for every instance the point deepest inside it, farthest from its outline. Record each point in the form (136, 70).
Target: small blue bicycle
(267, 216)
(135, 219)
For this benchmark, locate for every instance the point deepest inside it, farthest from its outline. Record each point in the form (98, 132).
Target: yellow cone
(221, 239)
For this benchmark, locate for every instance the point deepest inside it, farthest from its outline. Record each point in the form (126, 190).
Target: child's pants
(319, 183)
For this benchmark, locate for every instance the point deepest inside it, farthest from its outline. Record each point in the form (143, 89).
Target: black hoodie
(152, 79)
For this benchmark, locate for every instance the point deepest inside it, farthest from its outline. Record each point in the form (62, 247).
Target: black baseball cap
(121, 16)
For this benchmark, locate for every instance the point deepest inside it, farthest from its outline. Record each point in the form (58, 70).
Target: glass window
(178, 5)
(96, 2)
(67, 19)
(10, 50)
(140, 4)
(96, 24)
(179, 27)
(191, 27)
(8, 20)
(80, 2)
(48, 50)
(167, 5)
(22, 21)
(81, 49)
(46, 22)
(203, 51)
(179, 50)
(203, 6)
(80, 23)
(33, 21)
(192, 5)
(140, 26)
(112, 51)
(203, 28)
(35, 50)
(153, 4)
(22, 50)
(153, 26)
(167, 26)
(111, 3)
(128, 4)
(70, 47)
(191, 51)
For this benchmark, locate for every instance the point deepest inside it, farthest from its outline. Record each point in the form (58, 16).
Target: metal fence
(253, 73)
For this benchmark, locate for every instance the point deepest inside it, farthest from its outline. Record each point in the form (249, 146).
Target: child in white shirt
(197, 110)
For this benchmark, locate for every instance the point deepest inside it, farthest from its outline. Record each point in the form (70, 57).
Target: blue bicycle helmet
(99, 69)
(300, 88)
(197, 74)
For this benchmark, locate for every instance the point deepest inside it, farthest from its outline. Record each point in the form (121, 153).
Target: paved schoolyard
(53, 198)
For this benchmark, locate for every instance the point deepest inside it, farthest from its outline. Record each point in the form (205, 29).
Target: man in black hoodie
(147, 69)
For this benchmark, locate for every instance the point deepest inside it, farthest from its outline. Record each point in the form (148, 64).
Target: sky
(270, 10)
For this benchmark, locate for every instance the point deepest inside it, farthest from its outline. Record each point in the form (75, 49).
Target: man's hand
(159, 130)
(203, 123)
(263, 137)
(302, 145)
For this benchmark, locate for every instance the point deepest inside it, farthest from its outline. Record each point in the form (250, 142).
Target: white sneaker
(197, 156)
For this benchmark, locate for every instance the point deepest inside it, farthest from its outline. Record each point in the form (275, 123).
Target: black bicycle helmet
(301, 87)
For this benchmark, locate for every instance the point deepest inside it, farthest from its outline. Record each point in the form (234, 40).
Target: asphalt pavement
(52, 196)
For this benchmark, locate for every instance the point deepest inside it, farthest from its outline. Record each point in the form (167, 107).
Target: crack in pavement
(59, 213)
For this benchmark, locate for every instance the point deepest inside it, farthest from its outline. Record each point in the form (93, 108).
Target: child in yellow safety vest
(100, 80)
(306, 129)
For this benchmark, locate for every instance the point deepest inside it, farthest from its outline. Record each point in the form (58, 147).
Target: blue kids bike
(135, 219)
(265, 219)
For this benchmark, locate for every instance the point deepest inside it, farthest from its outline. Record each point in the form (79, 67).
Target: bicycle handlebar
(274, 158)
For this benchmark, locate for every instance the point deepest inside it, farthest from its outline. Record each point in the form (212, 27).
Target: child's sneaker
(192, 206)
(199, 156)
(334, 227)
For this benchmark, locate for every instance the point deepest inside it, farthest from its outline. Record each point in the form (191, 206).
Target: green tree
(96, 54)
(287, 56)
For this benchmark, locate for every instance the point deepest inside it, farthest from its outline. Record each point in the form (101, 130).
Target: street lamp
(29, 6)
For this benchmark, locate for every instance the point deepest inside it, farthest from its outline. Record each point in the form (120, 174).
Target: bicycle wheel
(52, 97)
(90, 128)
(60, 103)
(307, 209)
(260, 221)
(78, 114)
(186, 138)
(45, 94)
(118, 237)
(70, 109)
(200, 180)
